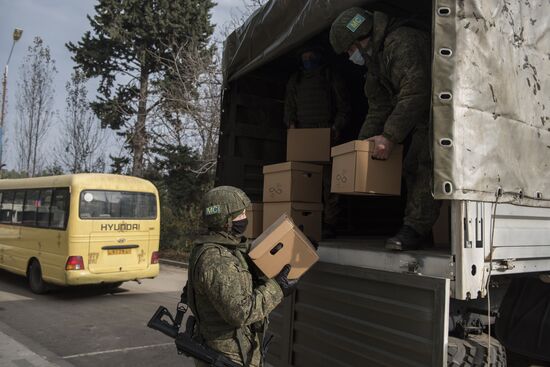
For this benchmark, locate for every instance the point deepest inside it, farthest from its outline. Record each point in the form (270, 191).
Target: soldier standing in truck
(397, 86)
(317, 97)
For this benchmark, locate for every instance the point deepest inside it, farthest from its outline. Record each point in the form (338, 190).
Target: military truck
(482, 289)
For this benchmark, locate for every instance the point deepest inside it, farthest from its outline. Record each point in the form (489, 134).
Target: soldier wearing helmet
(230, 301)
(397, 57)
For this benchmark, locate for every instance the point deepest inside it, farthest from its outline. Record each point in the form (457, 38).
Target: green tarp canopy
(280, 25)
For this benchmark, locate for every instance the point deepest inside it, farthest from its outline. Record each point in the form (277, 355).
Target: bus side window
(6, 209)
(59, 208)
(17, 215)
(44, 203)
(30, 207)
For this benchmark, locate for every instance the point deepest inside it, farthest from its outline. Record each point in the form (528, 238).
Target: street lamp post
(16, 36)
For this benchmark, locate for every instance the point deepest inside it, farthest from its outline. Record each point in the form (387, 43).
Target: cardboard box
(281, 244)
(254, 213)
(354, 171)
(307, 216)
(442, 227)
(293, 181)
(308, 145)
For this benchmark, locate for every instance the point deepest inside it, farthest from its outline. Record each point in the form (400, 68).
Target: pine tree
(128, 38)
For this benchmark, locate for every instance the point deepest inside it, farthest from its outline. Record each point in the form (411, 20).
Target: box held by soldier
(308, 145)
(283, 243)
(307, 216)
(254, 214)
(355, 171)
(292, 181)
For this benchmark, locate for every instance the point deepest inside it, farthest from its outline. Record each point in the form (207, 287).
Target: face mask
(357, 58)
(310, 64)
(239, 226)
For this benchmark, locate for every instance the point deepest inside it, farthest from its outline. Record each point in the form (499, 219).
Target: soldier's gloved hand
(287, 286)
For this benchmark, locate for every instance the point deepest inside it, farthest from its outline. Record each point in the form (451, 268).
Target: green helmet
(221, 205)
(351, 25)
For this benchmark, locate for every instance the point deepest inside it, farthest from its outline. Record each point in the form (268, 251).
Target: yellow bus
(79, 229)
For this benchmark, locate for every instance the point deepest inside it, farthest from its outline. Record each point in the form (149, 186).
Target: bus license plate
(124, 251)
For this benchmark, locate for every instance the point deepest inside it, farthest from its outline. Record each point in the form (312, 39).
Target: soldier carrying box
(397, 58)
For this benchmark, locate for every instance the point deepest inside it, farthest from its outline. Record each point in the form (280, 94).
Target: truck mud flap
(351, 316)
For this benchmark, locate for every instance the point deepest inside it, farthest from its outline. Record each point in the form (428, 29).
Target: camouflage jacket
(230, 304)
(316, 99)
(398, 84)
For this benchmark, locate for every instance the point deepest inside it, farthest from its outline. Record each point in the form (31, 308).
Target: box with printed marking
(355, 171)
(292, 181)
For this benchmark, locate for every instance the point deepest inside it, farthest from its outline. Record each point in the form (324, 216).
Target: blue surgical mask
(311, 64)
(357, 58)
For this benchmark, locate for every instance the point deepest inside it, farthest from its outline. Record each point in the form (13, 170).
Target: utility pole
(16, 36)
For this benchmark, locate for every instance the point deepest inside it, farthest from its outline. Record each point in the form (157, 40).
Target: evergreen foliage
(127, 39)
(180, 189)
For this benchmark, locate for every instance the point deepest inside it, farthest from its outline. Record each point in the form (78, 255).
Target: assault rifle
(164, 322)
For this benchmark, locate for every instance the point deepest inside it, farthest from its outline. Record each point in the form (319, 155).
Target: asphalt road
(87, 326)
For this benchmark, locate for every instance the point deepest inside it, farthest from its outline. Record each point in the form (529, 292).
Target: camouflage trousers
(421, 210)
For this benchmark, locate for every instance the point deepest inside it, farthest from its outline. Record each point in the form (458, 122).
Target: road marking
(116, 350)
(9, 297)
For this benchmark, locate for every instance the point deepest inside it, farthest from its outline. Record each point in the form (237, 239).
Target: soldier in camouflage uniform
(230, 301)
(398, 87)
(317, 97)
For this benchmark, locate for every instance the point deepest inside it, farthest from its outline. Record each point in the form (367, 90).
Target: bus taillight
(155, 257)
(74, 263)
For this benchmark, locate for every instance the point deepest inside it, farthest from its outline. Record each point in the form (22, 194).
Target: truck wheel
(34, 275)
(473, 351)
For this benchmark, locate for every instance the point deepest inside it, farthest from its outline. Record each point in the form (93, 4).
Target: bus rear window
(96, 204)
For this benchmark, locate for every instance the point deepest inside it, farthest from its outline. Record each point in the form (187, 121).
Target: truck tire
(34, 275)
(473, 351)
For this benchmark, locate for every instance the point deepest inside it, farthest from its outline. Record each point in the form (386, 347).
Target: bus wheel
(34, 274)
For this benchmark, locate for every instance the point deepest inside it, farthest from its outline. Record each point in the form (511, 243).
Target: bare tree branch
(190, 112)
(34, 107)
(82, 140)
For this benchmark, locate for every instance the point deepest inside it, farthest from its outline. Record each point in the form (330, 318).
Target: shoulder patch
(214, 209)
(355, 22)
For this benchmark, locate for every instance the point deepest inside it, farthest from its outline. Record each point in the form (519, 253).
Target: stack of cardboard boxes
(254, 213)
(296, 186)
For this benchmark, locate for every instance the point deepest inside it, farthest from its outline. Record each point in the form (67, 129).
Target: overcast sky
(56, 22)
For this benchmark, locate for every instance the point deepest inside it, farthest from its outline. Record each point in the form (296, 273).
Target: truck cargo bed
(369, 252)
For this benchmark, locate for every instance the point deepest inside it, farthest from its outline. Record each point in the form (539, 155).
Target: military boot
(408, 239)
